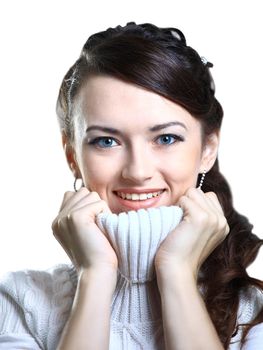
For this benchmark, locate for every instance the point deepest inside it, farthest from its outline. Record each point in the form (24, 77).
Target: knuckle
(73, 216)
(223, 222)
(68, 194)
(211, 194)
(76, 216)
(227, 228)
(94, 195)
(223, 227)
(66, 197)
(55, 225)
(83, 189)
(57, 222)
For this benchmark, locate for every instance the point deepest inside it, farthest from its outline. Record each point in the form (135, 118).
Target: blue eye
(169, 139)
(103, 142)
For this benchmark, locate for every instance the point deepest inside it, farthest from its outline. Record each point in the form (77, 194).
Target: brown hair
(159, 60)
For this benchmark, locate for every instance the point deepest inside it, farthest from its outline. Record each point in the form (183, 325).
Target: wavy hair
(158, 59)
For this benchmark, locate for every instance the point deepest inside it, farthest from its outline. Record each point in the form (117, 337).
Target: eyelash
(95, 141)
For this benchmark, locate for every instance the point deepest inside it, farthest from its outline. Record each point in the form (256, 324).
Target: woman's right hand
(76, 230)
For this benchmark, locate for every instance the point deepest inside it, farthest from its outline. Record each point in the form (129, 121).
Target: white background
(39, 42)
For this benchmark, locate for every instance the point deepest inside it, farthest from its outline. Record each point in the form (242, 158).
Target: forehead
(107, 100)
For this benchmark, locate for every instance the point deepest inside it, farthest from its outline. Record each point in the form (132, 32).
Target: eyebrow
(118, 132)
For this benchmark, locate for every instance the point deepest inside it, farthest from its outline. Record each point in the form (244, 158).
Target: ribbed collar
(136, 236)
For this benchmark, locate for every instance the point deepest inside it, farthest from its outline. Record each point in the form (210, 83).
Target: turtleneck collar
(136, 237)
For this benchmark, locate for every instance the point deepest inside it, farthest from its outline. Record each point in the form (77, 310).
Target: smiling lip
(139, 204)
(134, 190)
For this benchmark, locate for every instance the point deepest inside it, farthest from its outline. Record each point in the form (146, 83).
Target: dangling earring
(75, 184)
(202, 179)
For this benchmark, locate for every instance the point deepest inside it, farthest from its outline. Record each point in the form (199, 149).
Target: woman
(159, 254)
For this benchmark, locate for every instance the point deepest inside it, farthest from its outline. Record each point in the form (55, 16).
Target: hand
(201, 230)
(76, 230)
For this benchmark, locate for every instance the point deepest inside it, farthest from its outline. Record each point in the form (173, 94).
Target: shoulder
(60, 278)
(40, 299)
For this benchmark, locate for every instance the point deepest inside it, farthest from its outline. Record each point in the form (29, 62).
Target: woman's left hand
(201, 230)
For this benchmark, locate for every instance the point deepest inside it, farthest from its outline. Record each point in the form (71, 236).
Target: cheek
(183, 167)
(98, 172)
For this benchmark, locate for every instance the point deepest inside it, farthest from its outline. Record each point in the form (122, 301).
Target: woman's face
(136, 148)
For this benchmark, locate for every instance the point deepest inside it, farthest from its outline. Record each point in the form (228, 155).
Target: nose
(138, 166)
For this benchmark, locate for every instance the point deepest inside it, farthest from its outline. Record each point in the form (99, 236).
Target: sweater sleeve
(34, 306)
(255, 335)
(17, 342)
(254, 338)
(14, 333)
(251, 302)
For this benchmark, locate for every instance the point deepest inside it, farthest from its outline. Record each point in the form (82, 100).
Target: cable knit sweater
(35, 305)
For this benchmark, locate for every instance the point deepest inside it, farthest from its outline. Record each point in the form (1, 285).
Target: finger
(213, 199)
(199, 197)
(72, 197)
(78, 196)
(191, 208)
(223, 224)
(91, 198)
(200, 216)
(88, 212)
(66, 198)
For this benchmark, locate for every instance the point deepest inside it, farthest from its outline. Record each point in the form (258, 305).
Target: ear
(209, 153)
(71, 156)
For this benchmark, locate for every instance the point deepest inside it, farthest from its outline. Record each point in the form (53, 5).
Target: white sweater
(35, 305)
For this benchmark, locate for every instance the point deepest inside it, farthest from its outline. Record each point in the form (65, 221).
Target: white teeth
(138, 196)
(135, 196)
(143, 196)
